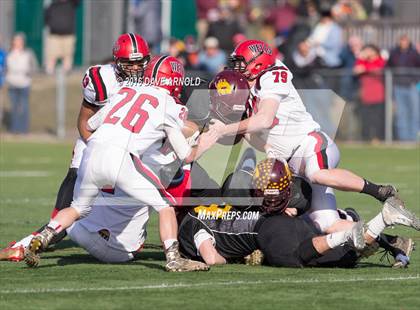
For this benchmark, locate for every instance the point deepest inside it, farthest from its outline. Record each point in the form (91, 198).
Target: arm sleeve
(94, 90)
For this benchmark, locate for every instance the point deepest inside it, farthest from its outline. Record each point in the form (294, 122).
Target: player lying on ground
(138, 116)
(115, 230)
(276, 115)
(284, 241)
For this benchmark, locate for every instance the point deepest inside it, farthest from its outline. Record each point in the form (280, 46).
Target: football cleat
(31, 259)
(38, 243)
(256, 258)
(356, 235)
(394, 213)
(13, 254)
(175, 263)
(406, 246)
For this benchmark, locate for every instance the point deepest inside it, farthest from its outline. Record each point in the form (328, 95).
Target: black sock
(371, 189)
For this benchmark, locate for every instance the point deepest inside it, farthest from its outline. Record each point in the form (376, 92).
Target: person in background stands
(60, 17)
(405, 56)
(212, 59)
(369, 67)
(20, 65)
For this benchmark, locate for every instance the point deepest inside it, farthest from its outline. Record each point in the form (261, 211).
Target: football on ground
(30, 174)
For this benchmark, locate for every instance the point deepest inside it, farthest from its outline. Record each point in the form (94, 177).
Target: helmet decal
(223, 87)
(260, 48)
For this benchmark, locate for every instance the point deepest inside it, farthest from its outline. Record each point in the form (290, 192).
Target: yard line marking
(193, 285)
(24, 173)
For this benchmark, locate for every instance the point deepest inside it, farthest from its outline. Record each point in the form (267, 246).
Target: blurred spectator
(212, 59)
(223, 28)
(304, 64)
(2, 64)
(349, 81)
(382, 8)
(146, 16)
(60, 17)
(282, 17)
(327, 38)
(405, 56)
(203, 8)
(369, 67)
(185, 51)
(21, 63)
(176, 47)
(309, 11)
(349, 10)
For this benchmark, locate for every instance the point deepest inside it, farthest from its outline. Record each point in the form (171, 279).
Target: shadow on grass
(143, 258)
(370, 265)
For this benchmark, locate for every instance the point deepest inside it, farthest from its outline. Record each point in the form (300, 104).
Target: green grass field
(30, 174)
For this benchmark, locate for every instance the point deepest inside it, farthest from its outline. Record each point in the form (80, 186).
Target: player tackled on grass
(277, 117)
(284, 241)
(138, 116)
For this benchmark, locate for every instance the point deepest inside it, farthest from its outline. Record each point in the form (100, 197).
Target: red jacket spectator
(372, 90)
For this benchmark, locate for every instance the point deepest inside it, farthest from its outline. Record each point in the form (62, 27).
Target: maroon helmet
(229, 93)
(272, 181)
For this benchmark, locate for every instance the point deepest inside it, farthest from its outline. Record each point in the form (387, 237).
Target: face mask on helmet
(238, 63)
(132, 69)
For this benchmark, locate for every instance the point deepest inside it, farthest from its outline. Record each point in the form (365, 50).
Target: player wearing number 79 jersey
(278, 120)
(139, 115)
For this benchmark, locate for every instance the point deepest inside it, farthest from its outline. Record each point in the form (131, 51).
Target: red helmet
(229, 93)
(272, 180)
(166, 72)
(131, 55)
(251, 57)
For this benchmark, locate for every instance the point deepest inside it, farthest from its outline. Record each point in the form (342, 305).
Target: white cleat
(394, 213)
(356, 235)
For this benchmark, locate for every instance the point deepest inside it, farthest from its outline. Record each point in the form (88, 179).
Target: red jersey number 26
(135, 110)
(280, 76)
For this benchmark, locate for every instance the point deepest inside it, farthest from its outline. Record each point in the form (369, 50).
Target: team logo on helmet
(134, 56)
(177, 67)
(116, 47)
(259, 47)
(223, 87)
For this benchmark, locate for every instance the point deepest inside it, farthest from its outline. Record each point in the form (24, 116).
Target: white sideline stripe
(193, 285)
(23, 173)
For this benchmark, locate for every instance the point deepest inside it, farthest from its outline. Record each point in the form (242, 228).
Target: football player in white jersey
(139, 115)
(131, 56)
(277, 116)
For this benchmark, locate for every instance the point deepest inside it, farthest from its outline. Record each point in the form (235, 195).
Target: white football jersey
(124, 220)
(137, 117)
(292, 119)
(100, 83)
